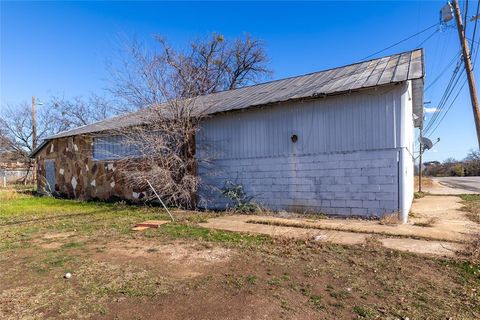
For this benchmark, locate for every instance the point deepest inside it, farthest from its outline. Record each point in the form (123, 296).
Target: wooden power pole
(468, 67)
(34, 141)
(34, 125)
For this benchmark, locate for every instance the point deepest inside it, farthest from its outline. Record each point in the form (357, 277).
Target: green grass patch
(316, 301)
(472, 206)
(418, 195)
(24, 217)
(363, 312)
(185, 231)
(71, 245)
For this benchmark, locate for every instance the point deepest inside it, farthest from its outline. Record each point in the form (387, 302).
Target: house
(13, 168)
(338, 141)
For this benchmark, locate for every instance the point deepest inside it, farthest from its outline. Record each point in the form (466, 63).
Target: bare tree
(162, 152)
(16, 132)
(165, 85)
(80, 111)
(16, 128)
(208, 65)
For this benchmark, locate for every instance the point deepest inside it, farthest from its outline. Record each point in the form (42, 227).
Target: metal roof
(381, 71)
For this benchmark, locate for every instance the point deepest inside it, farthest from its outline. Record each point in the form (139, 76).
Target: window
(113, 148)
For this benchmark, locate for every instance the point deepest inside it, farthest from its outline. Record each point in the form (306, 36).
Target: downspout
(403, 154)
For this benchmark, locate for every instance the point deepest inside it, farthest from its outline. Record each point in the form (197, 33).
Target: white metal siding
(338, 124)
(345, 156)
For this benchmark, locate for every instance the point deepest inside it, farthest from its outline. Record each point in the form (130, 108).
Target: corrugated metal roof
(382, 71)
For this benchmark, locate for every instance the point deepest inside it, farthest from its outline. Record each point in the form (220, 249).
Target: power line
(449, 107)
(437, 114)
(444, 101)
(465, 8)
(401, 41)
(442, 72)
(446, 95)
(475, 26)
(428, 38)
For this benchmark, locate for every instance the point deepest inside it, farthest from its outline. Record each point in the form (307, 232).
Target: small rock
(67, 275)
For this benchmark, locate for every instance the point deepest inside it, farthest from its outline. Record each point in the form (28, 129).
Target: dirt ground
(184, 271)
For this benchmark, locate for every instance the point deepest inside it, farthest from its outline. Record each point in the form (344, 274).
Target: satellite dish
(426, 143)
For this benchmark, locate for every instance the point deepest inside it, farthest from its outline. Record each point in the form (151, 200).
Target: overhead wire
(426, 39)
(401, 41)
(446, 95)
(475, 25)
(443, 71)
(474, 45)
(449, 107)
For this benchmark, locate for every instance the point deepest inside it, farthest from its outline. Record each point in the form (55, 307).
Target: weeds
(242, 202)
(390, 219)
(363, 312)
(419, 195)
(471, 250)
(472, 206)
(373, 242)
(316, 301)
(430, 222)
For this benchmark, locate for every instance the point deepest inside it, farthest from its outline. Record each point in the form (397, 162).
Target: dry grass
(345, 228)
(430, 222)
(8, 194)
(373, 242)
(472, 206)
(392, 219)
(471, 250)
(426, 182)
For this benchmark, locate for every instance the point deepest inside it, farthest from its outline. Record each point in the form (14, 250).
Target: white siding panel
(344, 161)
(338, 124)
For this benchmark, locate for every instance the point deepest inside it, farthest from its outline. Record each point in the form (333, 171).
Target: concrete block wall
(344, 183)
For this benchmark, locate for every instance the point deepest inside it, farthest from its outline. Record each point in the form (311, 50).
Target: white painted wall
(346, 159)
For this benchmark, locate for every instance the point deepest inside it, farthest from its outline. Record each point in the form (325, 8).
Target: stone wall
(77, 175)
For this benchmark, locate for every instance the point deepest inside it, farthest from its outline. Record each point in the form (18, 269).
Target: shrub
(236, 193)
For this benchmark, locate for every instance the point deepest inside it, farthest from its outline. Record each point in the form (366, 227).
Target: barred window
(113, 147)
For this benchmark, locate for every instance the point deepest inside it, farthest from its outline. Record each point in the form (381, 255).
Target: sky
(63, 48)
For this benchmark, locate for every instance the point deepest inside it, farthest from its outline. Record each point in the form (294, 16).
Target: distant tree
(472, 163)
(16, 133)
(449, 161)
(457, 170)
(80, 111)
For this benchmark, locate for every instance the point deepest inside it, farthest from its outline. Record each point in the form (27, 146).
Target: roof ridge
(312, 73)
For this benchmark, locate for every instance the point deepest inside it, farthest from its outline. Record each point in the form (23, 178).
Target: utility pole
(468, 67)
(34, 141)
(34, 125)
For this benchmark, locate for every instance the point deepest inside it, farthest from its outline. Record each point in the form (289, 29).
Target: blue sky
(62, 48)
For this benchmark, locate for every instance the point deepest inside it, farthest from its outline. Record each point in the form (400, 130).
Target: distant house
(338, 141)
(13, 168)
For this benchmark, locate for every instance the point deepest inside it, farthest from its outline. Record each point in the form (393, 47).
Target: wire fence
(11, 177)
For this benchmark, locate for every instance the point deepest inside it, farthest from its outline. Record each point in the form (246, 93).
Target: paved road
(466, 183)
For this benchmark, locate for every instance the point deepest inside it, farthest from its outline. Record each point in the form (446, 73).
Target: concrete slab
(442, 248)
(449, 227)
